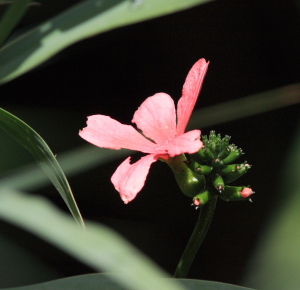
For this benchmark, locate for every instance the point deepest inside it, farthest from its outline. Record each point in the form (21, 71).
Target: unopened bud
(232, 193)
(196, 167)
(218, 183)
(234, 154)
(246, 192)
(232, 172)
(202, 198)
(200, 156)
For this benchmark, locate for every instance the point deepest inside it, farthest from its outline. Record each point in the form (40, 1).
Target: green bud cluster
(208, 172)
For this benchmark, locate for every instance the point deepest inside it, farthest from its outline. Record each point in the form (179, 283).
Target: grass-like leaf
(35, 144)
(79, 22)
(278, 253)
(247, 106)
(98, 246)
(88, 156)
(11, 17)
(102, 282)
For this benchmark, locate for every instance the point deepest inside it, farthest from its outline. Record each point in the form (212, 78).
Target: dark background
(253, 46)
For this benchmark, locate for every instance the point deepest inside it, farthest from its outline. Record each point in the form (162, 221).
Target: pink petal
(106, 132)
(156, 118)
(190, 92)
(186, 143)
(129, 179)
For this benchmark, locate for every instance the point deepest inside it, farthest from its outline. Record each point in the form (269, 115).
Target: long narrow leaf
(73, 162)
(86, 157)
(83, 20)
(98, 246)
(247, 106)
(101, 282)
(12, 17)
(34, 143)
(278, 252)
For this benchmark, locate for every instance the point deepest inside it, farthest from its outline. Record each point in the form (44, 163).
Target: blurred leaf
(73, 162)
(34, 143)
(79, 22)
(100, 281)
(246, 106)
(98, 246)
(12, 17)
(17, 258)
(87, 157)
(209, 285)
(276, 262)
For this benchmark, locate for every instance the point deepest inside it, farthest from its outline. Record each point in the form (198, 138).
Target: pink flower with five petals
(156, 118)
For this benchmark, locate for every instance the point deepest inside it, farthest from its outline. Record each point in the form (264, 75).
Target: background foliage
(253, 47)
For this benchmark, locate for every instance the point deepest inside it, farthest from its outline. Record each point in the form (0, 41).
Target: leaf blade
(98, 246)
(79, 22)
(35, 144)
(101, 281)
(12, 17)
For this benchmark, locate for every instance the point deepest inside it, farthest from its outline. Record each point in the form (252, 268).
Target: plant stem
(196, 239)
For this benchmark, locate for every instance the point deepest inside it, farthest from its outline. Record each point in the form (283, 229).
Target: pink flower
(156, 117)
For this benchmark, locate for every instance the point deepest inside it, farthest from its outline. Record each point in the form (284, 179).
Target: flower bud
(202, 198)
(247, 192)
(224, 153)
(196, 167)
(218, 183)
(240, 169)
(234, 154)
(208, 171)
(200, 156)
(233, 193)
(209, 156)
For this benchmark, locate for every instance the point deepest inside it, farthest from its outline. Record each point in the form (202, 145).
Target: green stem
(196, 239)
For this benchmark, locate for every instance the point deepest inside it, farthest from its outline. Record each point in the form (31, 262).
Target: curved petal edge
(156, 117)
(186, 143)
(190, 92)
(129, 179)
(106, 132)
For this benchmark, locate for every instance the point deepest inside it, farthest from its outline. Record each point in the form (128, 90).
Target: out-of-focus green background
(253, 46)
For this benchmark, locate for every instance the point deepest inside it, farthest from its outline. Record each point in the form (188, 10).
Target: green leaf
(12, 17)
(79, 22)
(209, 285)
(87, 157)
(100, 281)
(34, 143)
(73, 162)
(278, 253)
(98, 246)
(246, 106)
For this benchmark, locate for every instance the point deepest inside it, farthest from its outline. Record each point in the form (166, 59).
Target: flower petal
(106, 132)
(186, 143)
(190, 92)
(129, 179)
(156, 117)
